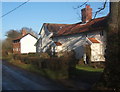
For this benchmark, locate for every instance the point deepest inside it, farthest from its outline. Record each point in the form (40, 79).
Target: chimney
(86, 14)
(24, 32)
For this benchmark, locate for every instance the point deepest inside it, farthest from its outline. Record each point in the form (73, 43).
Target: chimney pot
(24, 32)
(86, 14)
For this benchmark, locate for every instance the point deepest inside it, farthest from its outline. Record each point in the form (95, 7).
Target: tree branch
(81, 5)
(100, 9)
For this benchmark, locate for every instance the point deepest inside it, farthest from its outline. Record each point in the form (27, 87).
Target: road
(14, 78)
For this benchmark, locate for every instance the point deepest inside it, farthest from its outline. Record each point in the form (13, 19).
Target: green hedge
(61, 66)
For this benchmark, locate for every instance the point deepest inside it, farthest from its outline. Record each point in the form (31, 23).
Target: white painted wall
(74, 42)
(58, 48)
(45, 42)
(97, 52)
(28, 44)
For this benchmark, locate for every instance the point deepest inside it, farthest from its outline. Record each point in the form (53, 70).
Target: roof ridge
(24, 36)
(57, 23)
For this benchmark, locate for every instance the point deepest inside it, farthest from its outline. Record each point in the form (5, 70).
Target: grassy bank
(87, 74)
(32, 68)
(88, 68)
(82, 73)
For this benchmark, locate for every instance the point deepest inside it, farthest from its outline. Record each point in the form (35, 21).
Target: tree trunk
(111, 74)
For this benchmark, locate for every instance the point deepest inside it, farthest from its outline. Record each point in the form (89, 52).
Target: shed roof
(58, 43)
(93, 40)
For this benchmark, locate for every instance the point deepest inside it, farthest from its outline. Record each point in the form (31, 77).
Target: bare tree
(98, 11)
(81, 5)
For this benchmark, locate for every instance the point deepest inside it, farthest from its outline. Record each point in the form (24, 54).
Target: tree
(111, 75)
(7, 43)
(12, 34)
(29, 30)
(97, 12)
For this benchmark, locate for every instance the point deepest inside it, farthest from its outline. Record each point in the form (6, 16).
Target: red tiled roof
(93, 40)
(18, 38)
(58, 43)
(98, 23)
(67, 29)
(55, 27)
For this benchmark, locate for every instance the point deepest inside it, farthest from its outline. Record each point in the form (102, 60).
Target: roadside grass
(89, 68)
(87, 74)
(0, 57)
(82, 73)
(44, 72)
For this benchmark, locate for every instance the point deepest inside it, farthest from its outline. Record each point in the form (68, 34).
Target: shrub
(61, 66)
(44, 55)
(54, 63)
(33, 54)
(33, 60)
(4, 53)
(88, 53)
(81, 62)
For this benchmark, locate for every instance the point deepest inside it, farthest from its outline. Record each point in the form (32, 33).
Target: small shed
(96, 50)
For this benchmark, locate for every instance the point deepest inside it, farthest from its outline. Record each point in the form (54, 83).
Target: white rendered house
(73, 36)
(24, 44)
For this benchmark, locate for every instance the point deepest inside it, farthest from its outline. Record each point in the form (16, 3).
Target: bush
(61, 66)
(33, 54)
(44, 55)
(54, 64)
(81, 62)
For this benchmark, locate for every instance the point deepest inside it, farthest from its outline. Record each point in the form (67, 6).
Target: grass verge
(89, 68)
(45, 72)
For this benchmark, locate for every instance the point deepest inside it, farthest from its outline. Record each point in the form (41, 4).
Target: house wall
(16, 48)
(76, 42)
(28, 44)
(45, 40)
(97, 52)
(58, 48)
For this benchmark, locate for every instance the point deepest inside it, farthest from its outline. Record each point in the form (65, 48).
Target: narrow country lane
(14, 78)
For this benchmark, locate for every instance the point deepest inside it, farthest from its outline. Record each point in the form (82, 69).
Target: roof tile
(67, 29)
(93, 40)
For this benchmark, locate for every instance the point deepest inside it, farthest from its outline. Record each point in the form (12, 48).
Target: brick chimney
(86, 14)
(24, 32)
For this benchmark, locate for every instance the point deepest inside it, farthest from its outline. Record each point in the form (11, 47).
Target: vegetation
(88, 54)
(111, 76)
(11, 35)
(88, 68)
(53, 67)
(7, 43)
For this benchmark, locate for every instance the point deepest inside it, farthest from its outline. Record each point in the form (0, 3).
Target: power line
(15, 8)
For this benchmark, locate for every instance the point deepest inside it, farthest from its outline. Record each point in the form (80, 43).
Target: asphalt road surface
(14, 78)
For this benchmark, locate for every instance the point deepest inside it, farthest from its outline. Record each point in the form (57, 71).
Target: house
(24, 43)
(62, 37)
